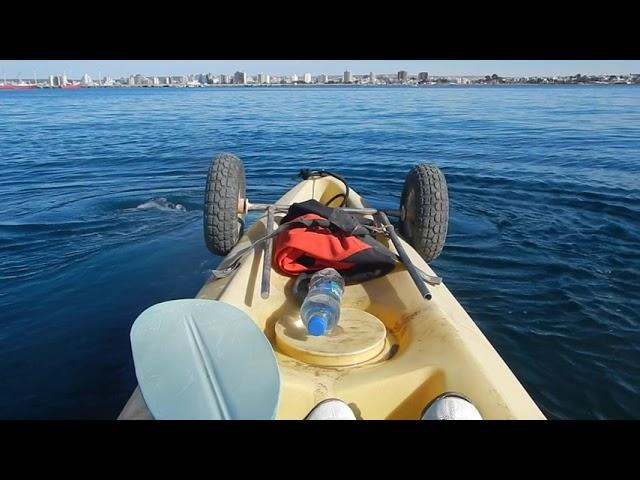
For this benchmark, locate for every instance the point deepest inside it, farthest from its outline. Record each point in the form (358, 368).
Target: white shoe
(451, 406)
(331, 409)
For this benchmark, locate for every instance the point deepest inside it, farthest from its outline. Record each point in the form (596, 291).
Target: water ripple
(102, 195)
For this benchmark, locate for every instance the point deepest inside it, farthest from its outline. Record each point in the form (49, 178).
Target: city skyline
(402, 77)
(123, 68)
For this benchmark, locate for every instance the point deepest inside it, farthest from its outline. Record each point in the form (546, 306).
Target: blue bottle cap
(317, 325)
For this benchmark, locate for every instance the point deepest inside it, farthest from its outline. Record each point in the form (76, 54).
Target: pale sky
(118, 68)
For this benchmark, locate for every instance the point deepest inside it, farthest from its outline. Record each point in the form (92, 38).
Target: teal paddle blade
(204, 360)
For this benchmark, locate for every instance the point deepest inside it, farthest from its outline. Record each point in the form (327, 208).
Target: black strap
(338, 219)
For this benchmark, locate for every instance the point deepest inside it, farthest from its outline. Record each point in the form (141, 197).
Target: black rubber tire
(424, 208)
(223, 225)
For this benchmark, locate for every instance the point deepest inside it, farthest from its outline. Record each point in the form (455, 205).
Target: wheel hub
(242, 205)
(408, 213)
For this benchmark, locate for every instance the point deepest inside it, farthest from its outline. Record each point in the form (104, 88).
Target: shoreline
(326, 85)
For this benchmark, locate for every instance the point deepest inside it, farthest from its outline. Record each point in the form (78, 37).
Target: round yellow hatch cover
(358, 337)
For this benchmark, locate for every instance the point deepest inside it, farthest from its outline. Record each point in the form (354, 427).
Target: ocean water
(102, 192)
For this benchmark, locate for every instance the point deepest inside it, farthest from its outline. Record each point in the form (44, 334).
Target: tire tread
(432, 210)
(225, 181)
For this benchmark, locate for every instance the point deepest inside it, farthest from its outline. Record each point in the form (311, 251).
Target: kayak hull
(431, 346)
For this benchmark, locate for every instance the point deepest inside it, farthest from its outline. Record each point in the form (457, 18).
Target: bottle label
(331, 286)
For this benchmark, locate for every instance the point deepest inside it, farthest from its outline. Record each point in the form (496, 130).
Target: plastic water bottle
(320, 310)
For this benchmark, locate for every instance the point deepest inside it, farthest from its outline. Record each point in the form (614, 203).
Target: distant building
(307, 78)
(294, 78)
(264, 79)
(403, 76)
(52, 80)
(348, 77)
(224, 79)
(423, 77)
(372, 78)
(324, 78)
(156, 81)
(132, 80)
(178, 79)
(240, 78)
(142, 80)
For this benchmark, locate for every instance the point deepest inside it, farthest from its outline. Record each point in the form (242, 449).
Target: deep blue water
(102, 190)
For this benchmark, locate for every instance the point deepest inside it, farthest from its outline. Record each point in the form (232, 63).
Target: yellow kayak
(393, 352)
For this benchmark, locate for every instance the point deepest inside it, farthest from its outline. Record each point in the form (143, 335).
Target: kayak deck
(430, 346)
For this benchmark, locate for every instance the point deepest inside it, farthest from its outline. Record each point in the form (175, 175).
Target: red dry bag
(322, 237)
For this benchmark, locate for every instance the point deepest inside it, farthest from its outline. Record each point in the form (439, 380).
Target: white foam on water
(161, 203)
